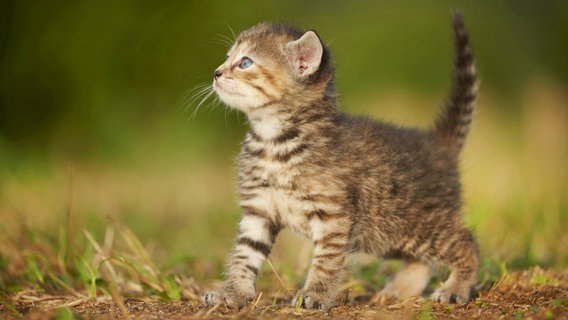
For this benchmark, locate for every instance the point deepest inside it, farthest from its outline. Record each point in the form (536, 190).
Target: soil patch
(529, 294)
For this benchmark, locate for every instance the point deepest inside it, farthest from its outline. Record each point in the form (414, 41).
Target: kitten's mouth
(229, 97)
(222, 89)
(219, 88)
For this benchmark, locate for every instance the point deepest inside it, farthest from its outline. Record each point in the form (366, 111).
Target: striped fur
(347, 183)
(453, 124)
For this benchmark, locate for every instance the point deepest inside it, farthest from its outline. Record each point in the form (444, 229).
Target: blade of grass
(255, 304)
(278, 277)
(8, 304)
(103, 254)
(64, 285)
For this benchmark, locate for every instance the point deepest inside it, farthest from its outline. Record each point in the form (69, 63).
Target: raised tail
(453, 123)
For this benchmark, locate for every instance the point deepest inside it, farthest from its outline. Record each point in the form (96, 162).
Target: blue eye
(245, 63)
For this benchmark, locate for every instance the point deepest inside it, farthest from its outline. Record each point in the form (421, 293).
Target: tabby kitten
(350, 184)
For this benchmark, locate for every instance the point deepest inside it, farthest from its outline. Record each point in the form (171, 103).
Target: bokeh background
(96, 123)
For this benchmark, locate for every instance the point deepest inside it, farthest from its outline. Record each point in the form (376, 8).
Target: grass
(163, 231)
(118, 266)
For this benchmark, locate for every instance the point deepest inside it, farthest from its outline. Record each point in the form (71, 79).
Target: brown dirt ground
(530, 294)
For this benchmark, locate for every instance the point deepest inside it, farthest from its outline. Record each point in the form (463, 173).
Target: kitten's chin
(237, 97)
(238, 101)
(232, 99)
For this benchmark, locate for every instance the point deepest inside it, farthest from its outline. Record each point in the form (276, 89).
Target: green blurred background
(94, 118)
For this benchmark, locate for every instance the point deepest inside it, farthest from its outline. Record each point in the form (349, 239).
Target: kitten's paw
(387, 295)
(410, 281)
(228, 296)
(314, 300)
(448, 294)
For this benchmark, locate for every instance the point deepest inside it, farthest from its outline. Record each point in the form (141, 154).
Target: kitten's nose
(217, 74)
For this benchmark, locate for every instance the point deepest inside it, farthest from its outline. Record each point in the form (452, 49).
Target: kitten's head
(274, 65)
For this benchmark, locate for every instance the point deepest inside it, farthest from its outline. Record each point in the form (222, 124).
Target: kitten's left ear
(305, 54)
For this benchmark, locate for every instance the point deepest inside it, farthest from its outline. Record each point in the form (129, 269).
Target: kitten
(348, 183)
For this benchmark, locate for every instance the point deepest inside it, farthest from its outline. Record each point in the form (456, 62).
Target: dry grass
(532, 294)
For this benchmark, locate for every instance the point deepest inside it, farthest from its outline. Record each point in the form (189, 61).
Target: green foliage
(425, 312)
(80, 84)
(559, 302)
(299, 302)
(375, 274)
(65, 314)
(8, 304)
(549, 314)
(33, 268)
(480, 303)
(90, 277)
(542, 279)
(276, 296)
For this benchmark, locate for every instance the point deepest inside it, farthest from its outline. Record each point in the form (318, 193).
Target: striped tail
(454, 122)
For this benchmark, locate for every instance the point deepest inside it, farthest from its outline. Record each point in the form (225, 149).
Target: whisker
(226, 124)
(198, 88)
(198, 91)
(215, 103)
(196, 97)
(198, 94)
(207, 96)
(232, 31)
(189, 102)
(223, 40)
(239, 120)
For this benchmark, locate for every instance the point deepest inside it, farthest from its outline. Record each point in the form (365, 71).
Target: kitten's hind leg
(461, 254)
(409, 281)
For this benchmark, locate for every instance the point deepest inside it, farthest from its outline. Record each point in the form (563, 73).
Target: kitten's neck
(267, 128)
(273, 123)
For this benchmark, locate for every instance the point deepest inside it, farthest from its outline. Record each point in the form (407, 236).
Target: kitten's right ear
(305, 54)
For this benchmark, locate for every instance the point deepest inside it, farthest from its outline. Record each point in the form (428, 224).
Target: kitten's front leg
(326, 271)
(254, 242)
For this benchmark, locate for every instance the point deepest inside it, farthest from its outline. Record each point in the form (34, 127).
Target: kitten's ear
(305, 54)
